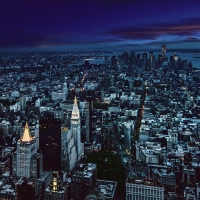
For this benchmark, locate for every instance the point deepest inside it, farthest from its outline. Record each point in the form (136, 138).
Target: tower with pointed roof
(26, 161)
(76, 129)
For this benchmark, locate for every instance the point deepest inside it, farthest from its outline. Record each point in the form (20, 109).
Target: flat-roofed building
(137, 189)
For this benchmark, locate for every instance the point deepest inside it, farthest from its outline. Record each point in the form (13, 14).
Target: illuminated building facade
(128, 133)
(76, 130)
(26, 161)
(55, 190)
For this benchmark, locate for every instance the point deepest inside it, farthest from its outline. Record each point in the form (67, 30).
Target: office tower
(108, 135)
(128, 134)
(163, 50)
(23, 100)
(65, 89)
(137, 189)
(83, 179)
(125, 57)
(132, 58)
(50, 143)
(151, 56)
(55, 190)
(88, 109)
(76, 130)
(106, 61)
(26, 161)
(144, 56)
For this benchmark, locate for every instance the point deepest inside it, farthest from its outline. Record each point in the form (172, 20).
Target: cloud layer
(185, 30)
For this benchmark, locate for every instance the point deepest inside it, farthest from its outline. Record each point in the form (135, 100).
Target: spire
(26, 137)
(75, 100)
(75, 111)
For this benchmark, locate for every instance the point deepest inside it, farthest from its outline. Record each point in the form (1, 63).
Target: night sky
(98, 24)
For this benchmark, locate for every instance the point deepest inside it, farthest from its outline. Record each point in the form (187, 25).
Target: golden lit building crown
(26, 137)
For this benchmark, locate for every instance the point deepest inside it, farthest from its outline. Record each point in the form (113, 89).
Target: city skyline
(96, 25)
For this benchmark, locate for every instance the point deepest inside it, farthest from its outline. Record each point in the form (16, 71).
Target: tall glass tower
(50, 143)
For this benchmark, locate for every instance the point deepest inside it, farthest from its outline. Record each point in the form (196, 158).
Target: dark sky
(98, 24)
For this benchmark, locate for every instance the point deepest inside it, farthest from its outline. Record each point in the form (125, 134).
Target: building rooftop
(106, 188)
(7, 189)
(154, 183)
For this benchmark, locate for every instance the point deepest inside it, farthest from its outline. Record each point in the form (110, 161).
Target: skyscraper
(163, 50)
(50, 143)
(76, 130)
(26, 161)
(88, 109)
(65, 89)
(23, 100)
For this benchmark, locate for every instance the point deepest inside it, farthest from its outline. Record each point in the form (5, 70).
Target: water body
(191, 57)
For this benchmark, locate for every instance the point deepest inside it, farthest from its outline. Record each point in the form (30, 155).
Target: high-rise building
(69, 150)
(106, 61)
(76, 130)
(23, 100)
(65, 89)
(144, 56)
(61, 147)
(50, 143)
(164, 50)
(128, 134)
(125, 57)
(26, 161)
(108, 135)
(150, 55)
(88, 109)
